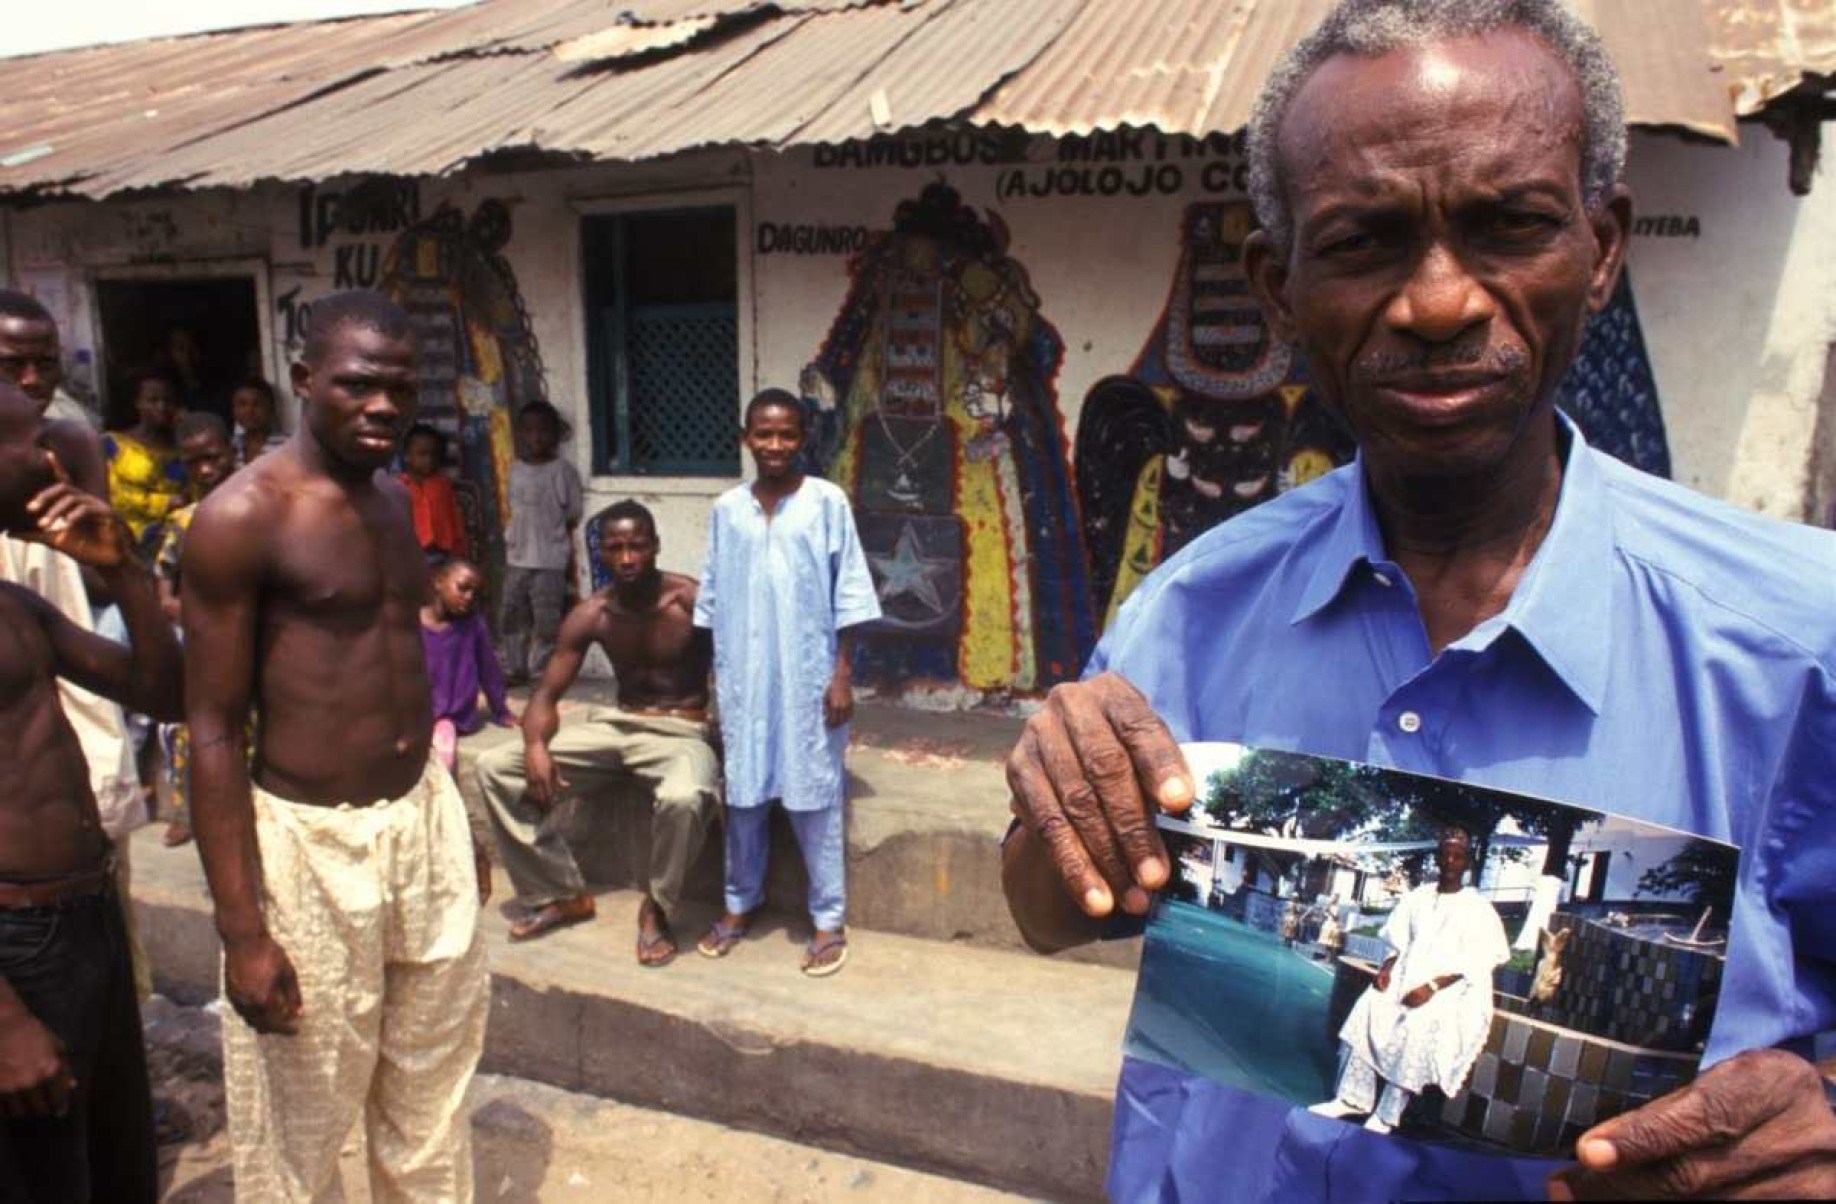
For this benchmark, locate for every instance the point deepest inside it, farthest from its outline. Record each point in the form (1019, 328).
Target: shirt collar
(1561, 604)
(1353, 540)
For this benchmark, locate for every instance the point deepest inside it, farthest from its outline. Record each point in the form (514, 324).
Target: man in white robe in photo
(1427, 1016)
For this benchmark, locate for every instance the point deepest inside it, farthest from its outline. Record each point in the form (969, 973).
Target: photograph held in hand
(1425, 958)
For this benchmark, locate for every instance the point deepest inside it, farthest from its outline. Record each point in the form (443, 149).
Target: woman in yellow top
(146, 478)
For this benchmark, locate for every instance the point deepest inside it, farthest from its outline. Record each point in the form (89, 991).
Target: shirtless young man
(31, 358)
(340, 863)
(658, 733)
(75, 1113)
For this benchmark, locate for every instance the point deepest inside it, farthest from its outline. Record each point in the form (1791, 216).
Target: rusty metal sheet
(625, 41)
(952, 56)
(426, 93)
(1668, 78)
(660, 12)
(1195, 66)
(1161, 63)
(1766, 47)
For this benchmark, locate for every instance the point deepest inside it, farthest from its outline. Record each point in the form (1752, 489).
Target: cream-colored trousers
(377, 908)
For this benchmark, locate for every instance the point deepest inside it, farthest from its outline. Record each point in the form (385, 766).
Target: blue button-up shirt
(1664, 656)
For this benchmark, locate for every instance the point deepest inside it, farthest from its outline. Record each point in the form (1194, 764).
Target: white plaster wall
(1738, 320)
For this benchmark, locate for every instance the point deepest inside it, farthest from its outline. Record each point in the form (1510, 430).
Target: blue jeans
(821, 836)
(69, 965)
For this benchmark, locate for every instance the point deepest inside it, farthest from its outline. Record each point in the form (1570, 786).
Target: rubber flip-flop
(817, 948)
(720, 940)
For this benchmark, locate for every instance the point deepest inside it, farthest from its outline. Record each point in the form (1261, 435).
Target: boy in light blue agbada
(785, 590)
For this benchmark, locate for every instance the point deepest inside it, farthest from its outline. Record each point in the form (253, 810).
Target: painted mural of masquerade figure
(940, 370)
(1214, 417)
(480, 363)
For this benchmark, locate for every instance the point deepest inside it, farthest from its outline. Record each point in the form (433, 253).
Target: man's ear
(1612, 224)
(300, 374)
(1267, 271)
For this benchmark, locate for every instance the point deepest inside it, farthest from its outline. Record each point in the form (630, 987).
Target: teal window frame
(603, 252)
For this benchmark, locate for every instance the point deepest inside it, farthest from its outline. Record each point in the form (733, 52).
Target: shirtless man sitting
(658, 733)
(77, 1115)
(341, 863)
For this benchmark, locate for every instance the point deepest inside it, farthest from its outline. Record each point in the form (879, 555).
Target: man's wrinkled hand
(543, 782)
(35, 1078)
(1089, 773)
(262, 986)
(1418, 996)
(1757, 1126)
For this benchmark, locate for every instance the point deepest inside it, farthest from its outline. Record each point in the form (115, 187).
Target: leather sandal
(550, 916)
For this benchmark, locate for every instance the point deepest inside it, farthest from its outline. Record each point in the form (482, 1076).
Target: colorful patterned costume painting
(940, 376)
(1214, 417)
(479, 358)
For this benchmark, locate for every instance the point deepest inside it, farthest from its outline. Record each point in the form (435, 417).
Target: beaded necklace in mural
(903, 488)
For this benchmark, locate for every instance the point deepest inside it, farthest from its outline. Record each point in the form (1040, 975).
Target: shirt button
(1382, 579)
(1409, 722)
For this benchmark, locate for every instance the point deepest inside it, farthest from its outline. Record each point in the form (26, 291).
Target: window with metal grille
(662, 296)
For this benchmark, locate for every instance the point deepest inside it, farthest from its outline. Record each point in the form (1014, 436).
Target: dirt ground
(532, 1142)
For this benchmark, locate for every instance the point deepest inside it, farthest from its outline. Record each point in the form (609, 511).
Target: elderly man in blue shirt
(1480, 596)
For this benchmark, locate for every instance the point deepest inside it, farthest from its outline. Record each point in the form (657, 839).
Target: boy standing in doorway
(785, 591)
(545, 507)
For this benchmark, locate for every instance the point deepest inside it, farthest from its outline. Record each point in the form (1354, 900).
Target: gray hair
(1375, 27)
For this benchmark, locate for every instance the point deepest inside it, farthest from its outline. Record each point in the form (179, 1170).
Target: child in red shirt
(437, 525)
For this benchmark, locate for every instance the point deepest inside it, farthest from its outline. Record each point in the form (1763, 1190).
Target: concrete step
(987, 1065)
(535, 1144)
(928, 807)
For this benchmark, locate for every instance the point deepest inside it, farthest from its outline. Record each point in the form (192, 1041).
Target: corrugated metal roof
(1766, 47)
(426, 93)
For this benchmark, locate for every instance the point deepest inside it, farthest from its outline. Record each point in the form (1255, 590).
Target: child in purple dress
(460, 660)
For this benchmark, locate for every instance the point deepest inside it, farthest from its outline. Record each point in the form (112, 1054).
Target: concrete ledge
(928, 807)
(993, 1066)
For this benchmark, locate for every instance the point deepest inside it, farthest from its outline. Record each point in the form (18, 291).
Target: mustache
(1475, 358)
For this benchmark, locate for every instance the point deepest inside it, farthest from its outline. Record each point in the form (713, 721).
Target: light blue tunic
(774, 593)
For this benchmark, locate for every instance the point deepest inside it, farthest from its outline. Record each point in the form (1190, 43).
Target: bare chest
(663, 637)
(348, 564)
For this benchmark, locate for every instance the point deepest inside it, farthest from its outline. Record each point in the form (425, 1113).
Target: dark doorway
(206, 333)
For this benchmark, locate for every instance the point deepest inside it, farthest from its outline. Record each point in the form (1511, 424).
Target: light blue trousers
(820, 837)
